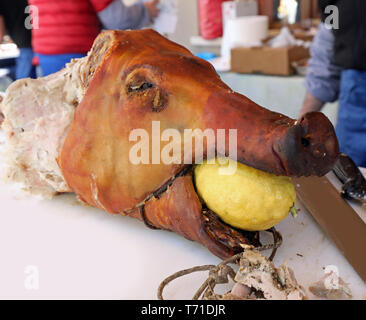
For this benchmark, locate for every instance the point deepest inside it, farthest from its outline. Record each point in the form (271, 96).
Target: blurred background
(276, 52)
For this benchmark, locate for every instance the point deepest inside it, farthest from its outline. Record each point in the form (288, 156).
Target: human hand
(310, 104)
(152, 8)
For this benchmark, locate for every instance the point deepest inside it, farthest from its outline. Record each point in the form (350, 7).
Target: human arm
(323, 76)
(152, 8)
(311, 104)
(119, 16)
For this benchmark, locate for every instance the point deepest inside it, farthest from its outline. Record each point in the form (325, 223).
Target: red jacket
(66, 26)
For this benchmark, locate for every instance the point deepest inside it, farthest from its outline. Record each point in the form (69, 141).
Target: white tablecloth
(82, 252)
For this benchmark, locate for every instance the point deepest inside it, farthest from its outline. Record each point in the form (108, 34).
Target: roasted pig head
(133, 80)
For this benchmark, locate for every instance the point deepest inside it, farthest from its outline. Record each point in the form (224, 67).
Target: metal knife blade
(339, 221)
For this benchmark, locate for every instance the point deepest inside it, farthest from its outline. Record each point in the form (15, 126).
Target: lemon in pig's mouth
(248, 199)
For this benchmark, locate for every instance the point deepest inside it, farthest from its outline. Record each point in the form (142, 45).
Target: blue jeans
(51, 63)
(23, 65)
(351, 126)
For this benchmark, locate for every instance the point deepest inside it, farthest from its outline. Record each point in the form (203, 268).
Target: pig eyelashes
(140, 87)
(158, 98)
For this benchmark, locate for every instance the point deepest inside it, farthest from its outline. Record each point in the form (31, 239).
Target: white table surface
(82, 252)
(9, 51)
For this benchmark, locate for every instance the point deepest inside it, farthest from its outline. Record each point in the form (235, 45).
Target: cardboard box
(267, 60)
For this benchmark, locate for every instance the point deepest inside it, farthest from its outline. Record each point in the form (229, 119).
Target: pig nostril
(305, 142)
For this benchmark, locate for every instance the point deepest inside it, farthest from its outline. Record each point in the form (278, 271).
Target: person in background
(67, 28)
(337, 70)
(12, 18)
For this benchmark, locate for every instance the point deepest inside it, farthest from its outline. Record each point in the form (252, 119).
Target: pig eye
(140, 87)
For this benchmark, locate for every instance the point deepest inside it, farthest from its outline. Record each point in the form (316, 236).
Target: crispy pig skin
(180, 210)
(143, 77)
(272, 142)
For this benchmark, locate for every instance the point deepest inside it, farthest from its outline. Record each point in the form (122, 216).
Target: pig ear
(102, 43)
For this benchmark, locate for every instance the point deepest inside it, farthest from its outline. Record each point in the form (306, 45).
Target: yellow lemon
(247, 199)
